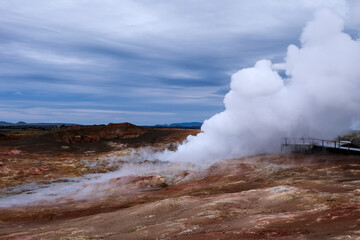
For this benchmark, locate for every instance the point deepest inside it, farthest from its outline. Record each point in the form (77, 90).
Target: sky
(144, 62)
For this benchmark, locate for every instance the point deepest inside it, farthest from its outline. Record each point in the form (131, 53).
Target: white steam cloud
(320, 98)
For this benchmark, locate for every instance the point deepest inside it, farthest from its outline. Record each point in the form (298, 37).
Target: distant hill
(181, 125)
(24, 125)
(99, 138)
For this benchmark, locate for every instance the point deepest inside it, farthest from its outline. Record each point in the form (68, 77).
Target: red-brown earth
(275, 196)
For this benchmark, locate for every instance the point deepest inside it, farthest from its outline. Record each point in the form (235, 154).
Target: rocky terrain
(67, 152)
(48, 193)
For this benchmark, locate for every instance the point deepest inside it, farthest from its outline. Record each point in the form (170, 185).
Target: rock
(34, 171)
(151, 182)
(15, 152)
(5, 170)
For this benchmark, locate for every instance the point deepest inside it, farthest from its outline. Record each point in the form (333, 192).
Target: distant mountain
(181, 125)
(24, 125)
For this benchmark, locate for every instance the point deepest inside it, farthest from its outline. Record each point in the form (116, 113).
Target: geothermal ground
(97, 183)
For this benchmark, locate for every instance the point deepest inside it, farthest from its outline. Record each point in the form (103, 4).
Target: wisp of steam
(319, 98)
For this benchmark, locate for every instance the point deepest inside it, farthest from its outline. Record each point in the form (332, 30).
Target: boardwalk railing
(307, 144)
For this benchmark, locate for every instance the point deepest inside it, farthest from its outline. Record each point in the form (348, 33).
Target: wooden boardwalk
(310, 144)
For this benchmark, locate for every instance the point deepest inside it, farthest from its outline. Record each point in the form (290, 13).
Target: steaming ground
(319, 98)
(259, 197)
(131, 164)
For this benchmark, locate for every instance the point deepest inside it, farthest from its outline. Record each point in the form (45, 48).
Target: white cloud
(42, 55)
(41, 88)
(179, 21)
(77, 115)
(51, 58)
(181, 95)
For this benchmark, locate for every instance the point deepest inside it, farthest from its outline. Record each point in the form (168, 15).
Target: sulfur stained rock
(151, 182)
(5, 170)
(34, 171)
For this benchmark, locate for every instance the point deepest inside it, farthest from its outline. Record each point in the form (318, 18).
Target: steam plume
(320, 98)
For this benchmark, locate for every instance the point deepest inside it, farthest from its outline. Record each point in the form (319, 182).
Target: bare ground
(257, 197)
(260, 197)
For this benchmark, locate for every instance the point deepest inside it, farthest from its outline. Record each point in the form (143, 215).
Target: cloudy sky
(142, 61)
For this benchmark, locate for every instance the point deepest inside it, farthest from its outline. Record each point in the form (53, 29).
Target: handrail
(337, 144)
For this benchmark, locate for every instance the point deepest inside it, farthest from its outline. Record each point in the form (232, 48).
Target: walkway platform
(312, 144)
